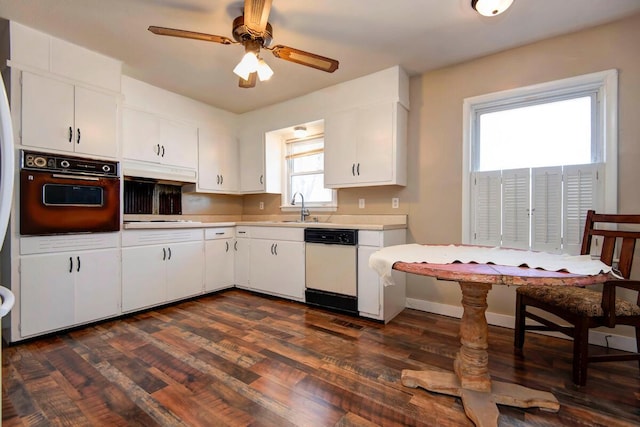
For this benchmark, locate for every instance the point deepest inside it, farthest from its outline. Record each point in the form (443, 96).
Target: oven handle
(83, 178)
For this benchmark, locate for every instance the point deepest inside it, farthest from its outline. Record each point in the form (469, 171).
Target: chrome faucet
(303, 212)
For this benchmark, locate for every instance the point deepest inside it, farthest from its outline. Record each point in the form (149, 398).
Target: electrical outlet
(361, 203)
(395, 202)
(261, 206)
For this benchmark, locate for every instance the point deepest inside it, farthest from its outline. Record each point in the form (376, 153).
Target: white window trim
(606, 81)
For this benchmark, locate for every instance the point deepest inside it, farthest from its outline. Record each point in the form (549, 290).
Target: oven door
(54, 203)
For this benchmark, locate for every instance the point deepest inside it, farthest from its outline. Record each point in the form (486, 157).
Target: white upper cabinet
(252, 164)
(148, 137)
(366, 146)
(217, 161)
(61, 116)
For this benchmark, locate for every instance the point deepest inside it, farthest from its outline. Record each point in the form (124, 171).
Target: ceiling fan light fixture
(264, 71)
(246, 66)
(300, 132)
(490, 7)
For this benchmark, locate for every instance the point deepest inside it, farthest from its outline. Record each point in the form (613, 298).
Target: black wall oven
(65, 194)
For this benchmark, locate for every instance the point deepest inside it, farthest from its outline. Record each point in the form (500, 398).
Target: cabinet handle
(261, 179)
(358, 169)
(272, 248)
(218, 179)
(235, 246)
(70, 264)
(162, 151)
(219, 233)
(157, 150)
(169, 250)
(227, 245)
(164, 254)
(221, 179)
(275, 249)
(70, 134)
(78, 269)
(242, 232)
(78, 140)
(353, 169)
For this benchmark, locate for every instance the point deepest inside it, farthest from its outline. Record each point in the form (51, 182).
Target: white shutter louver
(486, 208)
(515, 208)
(546, 221)
(580, 189)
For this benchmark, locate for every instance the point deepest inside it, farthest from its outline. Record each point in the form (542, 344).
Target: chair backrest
(624, 239)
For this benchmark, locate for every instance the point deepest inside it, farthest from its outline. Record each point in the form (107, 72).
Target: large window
(536, 159)
(304, 169)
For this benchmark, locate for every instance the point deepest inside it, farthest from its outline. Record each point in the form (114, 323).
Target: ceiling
(364, 35)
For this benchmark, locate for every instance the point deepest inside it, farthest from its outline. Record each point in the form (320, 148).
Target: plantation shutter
(515, 208)
(546, 199)
(486, 208)
(582, 184)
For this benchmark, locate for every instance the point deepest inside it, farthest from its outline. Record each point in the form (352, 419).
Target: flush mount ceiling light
(490, 7)
(300, 131)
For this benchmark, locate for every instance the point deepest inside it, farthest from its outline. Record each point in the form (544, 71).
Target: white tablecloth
(382, 261)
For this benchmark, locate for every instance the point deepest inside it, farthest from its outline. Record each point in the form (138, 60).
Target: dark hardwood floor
(237, 359)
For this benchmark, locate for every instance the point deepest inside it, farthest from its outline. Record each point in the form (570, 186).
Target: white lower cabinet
(241, 258)
(375, 300)
(160, 266)
(277, 261)
(219, 258)
(64, 288)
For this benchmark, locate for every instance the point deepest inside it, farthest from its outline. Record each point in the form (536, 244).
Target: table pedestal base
(471, 380)
(480, 406)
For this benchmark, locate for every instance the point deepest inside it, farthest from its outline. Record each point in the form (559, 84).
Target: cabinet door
(178, 144)
(143, 277)
(97, 285)
(368, 283)
(95, 123)
(219, 264)
(46, 293)
(375, 156)
(288, 278)
(47, 113)
(140, 136)
(217, 161)
(263, 272)
(185, 270)
(340, 135)
(241, 262)
(277, 267)
(252, 164)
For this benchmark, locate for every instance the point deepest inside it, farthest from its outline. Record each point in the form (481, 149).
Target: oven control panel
(77, 165)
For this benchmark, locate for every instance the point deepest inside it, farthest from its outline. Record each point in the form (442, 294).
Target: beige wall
(434, 192)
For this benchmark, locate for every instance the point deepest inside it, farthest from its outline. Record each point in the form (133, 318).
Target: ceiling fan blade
(305, 58)
(163, 31)
(256, 14)
(250, 82)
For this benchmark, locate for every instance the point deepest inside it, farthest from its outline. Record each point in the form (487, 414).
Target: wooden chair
(586, 308)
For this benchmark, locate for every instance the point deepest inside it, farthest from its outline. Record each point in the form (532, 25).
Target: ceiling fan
(254, 32)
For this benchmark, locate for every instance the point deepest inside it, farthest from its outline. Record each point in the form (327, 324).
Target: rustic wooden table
(470, 380)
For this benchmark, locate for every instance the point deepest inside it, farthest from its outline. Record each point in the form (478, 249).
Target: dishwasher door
(332, 268)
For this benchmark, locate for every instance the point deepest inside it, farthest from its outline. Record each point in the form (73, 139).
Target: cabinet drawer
(152, 237)
(370, 238)
(243, 231)
(218, 233)
(295, 234)
(70, 242)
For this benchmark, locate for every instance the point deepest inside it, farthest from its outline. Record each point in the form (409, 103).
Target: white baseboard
(619, 342)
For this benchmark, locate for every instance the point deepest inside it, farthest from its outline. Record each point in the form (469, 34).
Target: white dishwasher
(331, 260)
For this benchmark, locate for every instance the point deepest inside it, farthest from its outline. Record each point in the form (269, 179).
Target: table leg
(471, 381)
